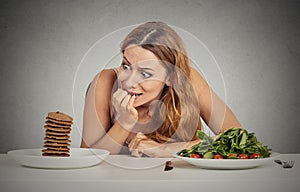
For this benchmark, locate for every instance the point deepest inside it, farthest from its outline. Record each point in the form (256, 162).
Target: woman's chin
(137, 104)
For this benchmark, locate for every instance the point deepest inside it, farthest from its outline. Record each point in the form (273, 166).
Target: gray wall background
(255, 43)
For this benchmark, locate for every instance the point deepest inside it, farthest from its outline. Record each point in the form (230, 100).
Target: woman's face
(142, 74)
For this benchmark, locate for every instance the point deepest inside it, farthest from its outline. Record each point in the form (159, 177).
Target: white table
(184, 177)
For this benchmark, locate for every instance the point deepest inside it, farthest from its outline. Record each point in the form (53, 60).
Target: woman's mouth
(135, 94)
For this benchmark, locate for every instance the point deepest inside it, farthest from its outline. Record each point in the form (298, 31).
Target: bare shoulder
(103, 88)
(104, 84)
(202, 90)
(107, 75)
(197, 79)
(106, 78)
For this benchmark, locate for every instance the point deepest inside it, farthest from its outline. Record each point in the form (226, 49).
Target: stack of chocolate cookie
(57, 139)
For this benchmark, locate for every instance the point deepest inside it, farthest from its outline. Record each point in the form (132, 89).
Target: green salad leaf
(229, 144)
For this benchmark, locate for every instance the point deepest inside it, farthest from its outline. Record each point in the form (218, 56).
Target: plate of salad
(235, 148)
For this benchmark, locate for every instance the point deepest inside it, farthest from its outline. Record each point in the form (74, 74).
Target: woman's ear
(168, 83)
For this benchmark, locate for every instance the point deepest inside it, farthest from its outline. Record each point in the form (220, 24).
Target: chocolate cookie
(62, 123)
(59, 116)
(53, 124)
(56, 129)
(49, 152)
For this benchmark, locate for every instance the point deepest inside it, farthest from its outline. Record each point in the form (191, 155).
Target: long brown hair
(181, 112)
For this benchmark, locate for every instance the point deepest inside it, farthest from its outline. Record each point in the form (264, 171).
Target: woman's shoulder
(196, 77)
(198, 82)
(107, 74)
(104, 80)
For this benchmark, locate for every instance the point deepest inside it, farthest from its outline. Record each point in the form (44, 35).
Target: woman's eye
(125, 66)
(146, 75)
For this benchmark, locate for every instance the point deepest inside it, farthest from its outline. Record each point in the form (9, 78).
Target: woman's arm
(142, 145)
(97, 130)
(215, 113)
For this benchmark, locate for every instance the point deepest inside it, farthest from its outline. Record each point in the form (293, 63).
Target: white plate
(228, 163)
(79, 157)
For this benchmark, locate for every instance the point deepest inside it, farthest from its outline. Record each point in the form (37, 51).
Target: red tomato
(218, 156)
(243, 156)
(255, 156)
(195, 155)
(232, 155)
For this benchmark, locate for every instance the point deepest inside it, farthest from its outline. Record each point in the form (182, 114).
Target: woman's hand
(123, 104)
(141, 145)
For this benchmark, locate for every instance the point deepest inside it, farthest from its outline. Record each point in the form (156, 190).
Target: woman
(152, 104)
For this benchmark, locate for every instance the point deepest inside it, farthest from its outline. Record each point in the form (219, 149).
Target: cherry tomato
(243, 156)
(232, 155)
(195, 155)
(255, 156)
(218, 156)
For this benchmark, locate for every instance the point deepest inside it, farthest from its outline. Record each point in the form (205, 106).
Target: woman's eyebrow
(143, 68)
(126, 60)
(146, 68)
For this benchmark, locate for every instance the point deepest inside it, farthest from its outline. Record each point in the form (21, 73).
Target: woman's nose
(132, 80)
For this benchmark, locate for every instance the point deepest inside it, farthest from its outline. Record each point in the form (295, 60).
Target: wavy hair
(181, 111)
